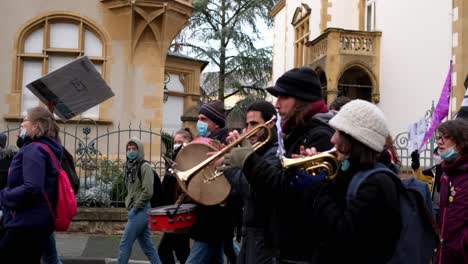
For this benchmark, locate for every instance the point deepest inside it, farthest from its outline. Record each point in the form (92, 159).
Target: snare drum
(163, 218)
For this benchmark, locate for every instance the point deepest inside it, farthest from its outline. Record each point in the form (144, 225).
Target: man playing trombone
(256, 210)
(304, 117)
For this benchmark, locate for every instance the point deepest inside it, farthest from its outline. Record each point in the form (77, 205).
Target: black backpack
(418, 237)
(68, 165)
(156, 199)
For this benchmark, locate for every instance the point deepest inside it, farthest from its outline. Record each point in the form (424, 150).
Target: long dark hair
(358, 153)
(297, 113)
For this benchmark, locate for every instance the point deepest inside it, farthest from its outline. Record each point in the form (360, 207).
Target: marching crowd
(359, 210)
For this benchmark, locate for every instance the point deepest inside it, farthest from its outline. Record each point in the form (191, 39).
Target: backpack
(156, 200)
(418, 238)
(66, 207)
(68, 165)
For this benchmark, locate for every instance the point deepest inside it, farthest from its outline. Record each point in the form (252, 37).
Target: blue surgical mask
(23, 133)
(132, 154)
(345, 165)
(449, 155)
(202, 129)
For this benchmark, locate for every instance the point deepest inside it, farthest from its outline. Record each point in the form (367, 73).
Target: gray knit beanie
(363, 121)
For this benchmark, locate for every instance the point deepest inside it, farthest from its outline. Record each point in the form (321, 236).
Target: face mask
(23, 133)
(437, 159)
(177, 146)
(202, 129)
(19, 142)
(132, 154)
(345, 165)
(449, 154)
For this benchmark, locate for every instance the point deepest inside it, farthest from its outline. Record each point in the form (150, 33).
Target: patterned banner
(441, 110)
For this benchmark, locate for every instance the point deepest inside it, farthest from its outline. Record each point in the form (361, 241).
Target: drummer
(174, 242)
(214, 225)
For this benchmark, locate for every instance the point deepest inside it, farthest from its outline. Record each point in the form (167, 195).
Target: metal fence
(100, 155)
(427, 154)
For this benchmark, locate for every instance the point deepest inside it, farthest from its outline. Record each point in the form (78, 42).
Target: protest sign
(72, 89)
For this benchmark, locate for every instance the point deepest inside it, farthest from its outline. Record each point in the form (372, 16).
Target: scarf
(130, 170)
(312, 109)
(458, 165)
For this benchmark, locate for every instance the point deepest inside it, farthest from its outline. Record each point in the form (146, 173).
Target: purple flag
(441, 110)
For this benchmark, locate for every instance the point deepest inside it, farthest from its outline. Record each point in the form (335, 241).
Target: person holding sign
(31, 190)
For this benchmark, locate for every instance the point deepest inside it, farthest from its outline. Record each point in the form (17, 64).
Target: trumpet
(186, 175)
(313, 165)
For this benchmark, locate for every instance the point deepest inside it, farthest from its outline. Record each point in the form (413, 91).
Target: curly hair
(457, 131)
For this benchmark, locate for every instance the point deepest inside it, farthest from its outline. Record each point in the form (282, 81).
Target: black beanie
(215, 112)
(301, 83)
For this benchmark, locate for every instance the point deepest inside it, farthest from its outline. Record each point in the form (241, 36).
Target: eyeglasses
(442, 137)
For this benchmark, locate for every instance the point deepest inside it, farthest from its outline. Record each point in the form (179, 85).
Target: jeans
(137, 228)
(202, 252)
(50, 255)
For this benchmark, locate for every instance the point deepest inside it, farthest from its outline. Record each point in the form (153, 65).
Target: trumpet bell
(202, 187)
(313, 165)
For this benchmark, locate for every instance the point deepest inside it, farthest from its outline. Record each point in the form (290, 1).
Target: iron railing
(100, 157)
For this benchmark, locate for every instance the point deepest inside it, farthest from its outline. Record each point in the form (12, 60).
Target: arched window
(50, 43)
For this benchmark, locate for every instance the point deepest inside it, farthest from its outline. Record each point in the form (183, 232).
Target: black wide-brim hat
(301, 83)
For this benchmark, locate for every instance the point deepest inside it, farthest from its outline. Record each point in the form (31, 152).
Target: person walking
(174, 242)
(256, 210)
(137, 202)
(452, 140)
(304, 122)
(31, 190)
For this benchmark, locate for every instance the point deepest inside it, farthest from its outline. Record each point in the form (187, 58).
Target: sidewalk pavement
(77, 248)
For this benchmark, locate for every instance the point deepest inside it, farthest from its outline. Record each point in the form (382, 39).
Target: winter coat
(6, 156)
(140, 190)
(365, 231)
(286, 231)
(454, 211)
(213, 224)
(257, 212)
(32, 173)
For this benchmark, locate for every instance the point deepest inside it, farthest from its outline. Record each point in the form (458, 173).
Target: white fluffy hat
(363, 121)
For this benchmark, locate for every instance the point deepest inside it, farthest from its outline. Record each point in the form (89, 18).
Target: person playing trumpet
(304, 117)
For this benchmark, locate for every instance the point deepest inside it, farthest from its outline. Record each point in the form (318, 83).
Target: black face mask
(19, 142)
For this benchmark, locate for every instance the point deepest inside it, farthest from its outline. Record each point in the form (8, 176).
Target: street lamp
(167, 78)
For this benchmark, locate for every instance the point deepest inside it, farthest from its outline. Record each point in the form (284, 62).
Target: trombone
(188, 174)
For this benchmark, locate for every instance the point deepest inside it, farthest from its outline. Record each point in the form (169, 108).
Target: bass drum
(202, 187)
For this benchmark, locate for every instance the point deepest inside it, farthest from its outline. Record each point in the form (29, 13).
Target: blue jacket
(31, 173)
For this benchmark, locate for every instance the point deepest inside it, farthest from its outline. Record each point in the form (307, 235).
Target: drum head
(199, 187)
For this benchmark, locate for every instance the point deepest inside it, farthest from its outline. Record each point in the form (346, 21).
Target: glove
(301, 179)
(415, 160)
(237, 156)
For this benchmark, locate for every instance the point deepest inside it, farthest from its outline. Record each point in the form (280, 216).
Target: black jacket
(288, 220)
(214, 223)
(366, 231)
